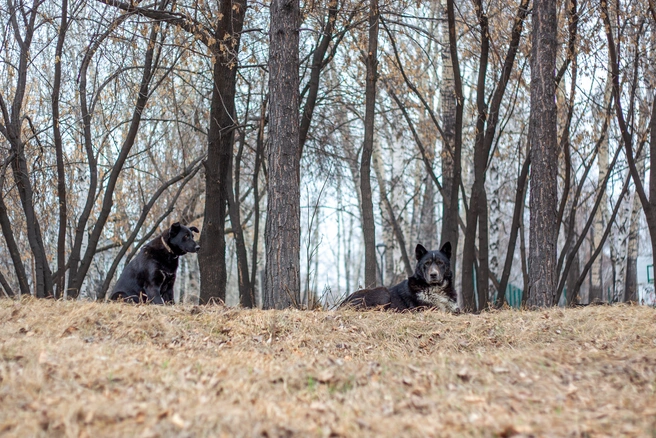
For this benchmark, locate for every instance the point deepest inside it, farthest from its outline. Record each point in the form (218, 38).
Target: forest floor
(96, 369)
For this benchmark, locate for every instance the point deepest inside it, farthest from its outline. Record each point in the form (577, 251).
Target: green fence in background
(513, 296)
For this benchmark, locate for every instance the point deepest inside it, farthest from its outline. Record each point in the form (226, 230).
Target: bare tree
(12, 130)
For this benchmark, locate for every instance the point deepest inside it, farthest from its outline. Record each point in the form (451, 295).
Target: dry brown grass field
(94, 369)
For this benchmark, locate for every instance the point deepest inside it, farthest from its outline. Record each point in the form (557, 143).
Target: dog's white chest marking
(435, 297)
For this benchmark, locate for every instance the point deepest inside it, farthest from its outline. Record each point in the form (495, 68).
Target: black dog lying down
(150, 276)
(431, 286)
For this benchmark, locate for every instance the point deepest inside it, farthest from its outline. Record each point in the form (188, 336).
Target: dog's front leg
(154, 287)
(167, 290)
(154, 295)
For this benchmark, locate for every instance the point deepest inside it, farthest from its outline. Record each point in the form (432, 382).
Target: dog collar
(168, 248)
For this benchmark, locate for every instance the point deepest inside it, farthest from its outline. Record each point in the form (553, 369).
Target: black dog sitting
(431, 286)
(151, 275)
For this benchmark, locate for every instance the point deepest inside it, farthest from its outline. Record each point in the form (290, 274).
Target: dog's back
(368, 298)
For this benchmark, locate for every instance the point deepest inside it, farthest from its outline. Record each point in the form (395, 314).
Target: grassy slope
(87, 369)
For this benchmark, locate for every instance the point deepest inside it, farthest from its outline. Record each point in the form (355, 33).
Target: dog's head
(434, 267)
(181, 239)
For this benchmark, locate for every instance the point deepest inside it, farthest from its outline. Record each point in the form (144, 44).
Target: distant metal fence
(513, 296)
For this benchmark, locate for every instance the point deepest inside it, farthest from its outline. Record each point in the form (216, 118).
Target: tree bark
(368, 225)
(61, 173)
(220, 140)
(452, 113)
(283, 229)
(544, 157)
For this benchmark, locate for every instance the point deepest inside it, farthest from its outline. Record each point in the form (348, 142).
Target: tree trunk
(9, 292)
(211, 257)
(259, 152)
(596, 273)
(283, 229)
(495, 221)
(246, 292)
(544, 157)
(427, 226)
(61, 174)
(388, 210)
(12, 246)
(631, 282)
(517, 221)
(368, 225)
(452, 102)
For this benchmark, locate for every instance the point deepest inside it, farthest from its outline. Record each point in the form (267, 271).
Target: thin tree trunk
(559, 289)
(368, 225)
(283, 228)
(483, 279)
(259, 152)
(318, 63)
(246, 295)
(480, 167)
(596, 288)
(61, 174)
(609, 226)
(389, 212)
(520, 196)
(6, 287)
(427, 226)
(495, 221)
(12, 247)
(220, 138)
(452, 170)
(631, 282)
(544, 157)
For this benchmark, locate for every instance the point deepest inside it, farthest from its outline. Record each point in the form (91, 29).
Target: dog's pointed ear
(194, 229)
(446, 249)
(175, 229)
(420, 251)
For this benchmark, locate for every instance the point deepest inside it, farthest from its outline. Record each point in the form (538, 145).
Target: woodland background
(120, 118)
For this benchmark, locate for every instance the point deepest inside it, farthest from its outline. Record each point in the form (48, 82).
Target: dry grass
(88, 369)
